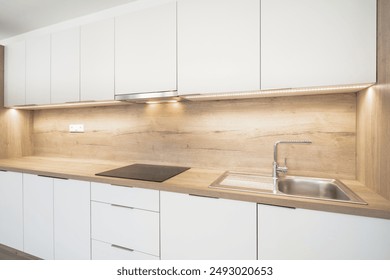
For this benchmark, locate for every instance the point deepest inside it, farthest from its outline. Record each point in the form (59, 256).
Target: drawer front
(132, 228)
(126, 196)
(106, 251)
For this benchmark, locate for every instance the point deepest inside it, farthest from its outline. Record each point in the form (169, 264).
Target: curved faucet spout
(276, 169)
(287, 142)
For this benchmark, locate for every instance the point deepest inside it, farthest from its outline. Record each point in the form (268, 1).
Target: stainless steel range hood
(143, 97)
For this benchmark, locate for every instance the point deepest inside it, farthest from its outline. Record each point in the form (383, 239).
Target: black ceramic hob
(145, 172)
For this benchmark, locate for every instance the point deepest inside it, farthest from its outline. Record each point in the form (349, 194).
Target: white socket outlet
(76, 128)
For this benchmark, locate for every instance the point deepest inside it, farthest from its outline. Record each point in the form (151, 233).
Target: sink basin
(303, 187)
(244, 182)
(317, 188)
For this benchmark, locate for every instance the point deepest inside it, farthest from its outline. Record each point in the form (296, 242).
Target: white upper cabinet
(65, 66)
(145, 50)
(15, 74)
(38, 70)
(218, 46)
(97, 61)
(308, 43)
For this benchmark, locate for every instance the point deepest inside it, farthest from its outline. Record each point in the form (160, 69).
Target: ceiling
(20, 16)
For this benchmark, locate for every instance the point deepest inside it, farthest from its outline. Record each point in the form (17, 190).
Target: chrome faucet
(282, 169)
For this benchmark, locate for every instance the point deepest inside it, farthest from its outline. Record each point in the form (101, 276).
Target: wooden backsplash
(228, 135)
(373, 116)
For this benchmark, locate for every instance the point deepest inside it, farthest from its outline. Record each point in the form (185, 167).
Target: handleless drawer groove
(126, 197)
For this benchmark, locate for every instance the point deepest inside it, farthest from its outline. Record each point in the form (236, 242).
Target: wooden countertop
(193, 181)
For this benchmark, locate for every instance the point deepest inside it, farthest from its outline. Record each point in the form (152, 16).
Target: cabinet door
(195, 227)
(145, 50)
(126, 196)
(126, 227)
(286, 233)
(11, 209)
(65, 66)
(15, 74)
(38, 70)
(38, 216)
(72, 235)
(308, 43)
(97, 61)
(106, 251)
(218, 45)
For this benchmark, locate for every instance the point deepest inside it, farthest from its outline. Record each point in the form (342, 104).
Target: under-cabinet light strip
(68, 105)
(279, 92)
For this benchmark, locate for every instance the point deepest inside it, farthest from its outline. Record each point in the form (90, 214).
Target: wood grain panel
(373, 116)
(193, 181)
(15, 126)
(229, 135)
(1, 77)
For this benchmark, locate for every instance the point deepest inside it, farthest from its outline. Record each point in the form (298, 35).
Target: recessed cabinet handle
(52, 177)
(122, 248)
(122, 206)
(198, 195)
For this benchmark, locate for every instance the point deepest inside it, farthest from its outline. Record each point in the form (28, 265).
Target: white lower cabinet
(72, 220)
(125, 223)
(11, 209)
(194, 227)
(288, 233)
(38, 216)
(106, 251)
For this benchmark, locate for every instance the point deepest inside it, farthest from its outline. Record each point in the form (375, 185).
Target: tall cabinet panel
(65, 66)
(72, 232)
(308, 43)
(38, 216)
(15, 74)
(11, 209)
(97, 61)
(38, 70)
(218, 45)
(145, 50)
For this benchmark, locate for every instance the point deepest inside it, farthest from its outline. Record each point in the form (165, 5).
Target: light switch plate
(76, 128)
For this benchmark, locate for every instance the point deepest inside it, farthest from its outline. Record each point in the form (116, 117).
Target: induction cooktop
(145, 172)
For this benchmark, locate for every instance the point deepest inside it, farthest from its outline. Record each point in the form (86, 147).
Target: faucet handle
(283, 169)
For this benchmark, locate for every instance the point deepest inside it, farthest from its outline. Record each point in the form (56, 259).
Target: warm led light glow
(68, 105)
(161, 101)
(278, 92)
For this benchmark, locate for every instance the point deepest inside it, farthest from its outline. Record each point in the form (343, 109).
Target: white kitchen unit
(72, 221)
(218, 46)
(38, 216)
(11, 209)
(307, 43)
(38, 55)
(15, 74)
(125, 222)
(288, 233)
(145, 50)
(65, 66)
(107, 251)
(194, 227)
(97, 61)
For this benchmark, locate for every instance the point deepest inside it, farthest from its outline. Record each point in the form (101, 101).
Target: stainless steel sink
(244, 182)
(317, 188)
(303, 187)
